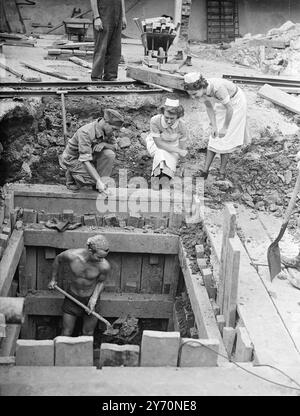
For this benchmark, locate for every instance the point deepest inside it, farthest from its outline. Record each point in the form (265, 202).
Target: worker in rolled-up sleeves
(109, 21)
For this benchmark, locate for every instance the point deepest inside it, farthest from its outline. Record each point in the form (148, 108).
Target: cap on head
(113, 117)
(194, 81)
(97, 243)
(191, 77)
(171, 103)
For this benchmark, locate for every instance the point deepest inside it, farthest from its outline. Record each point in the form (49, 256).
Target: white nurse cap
(191, 77)
(171, 103)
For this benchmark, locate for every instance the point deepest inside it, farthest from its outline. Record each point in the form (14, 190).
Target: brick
(111, 220)
(29, 216)
(199, 251)
(67, 215)
(4, 240)
(199, 353)
(119, 355)
(90, 220)
(35, 353)
(73, 351)
(159, 349)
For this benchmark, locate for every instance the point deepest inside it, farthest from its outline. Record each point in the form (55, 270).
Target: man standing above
(90, 154)
(109, 21)
(89, 270)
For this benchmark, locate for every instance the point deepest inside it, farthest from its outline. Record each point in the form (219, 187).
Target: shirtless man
(89, 271)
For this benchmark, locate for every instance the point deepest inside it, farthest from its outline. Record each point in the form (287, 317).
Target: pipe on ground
(12, 309)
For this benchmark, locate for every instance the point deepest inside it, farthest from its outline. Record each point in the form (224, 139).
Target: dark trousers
(107, 50)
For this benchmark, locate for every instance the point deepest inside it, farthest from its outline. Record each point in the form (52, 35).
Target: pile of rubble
(277, 52)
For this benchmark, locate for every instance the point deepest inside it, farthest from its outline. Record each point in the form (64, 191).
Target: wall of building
(54, 11)
(255, 16)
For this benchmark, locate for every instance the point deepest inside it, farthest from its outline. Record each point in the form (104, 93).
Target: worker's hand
(52, 284)
(222, 132)
(214, 132)
(101, 187)
(98, 147)
(98, 25)
(110, 146)
(92, 304)
(124, 23)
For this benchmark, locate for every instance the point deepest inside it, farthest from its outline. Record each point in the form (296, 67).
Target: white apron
(161, 158)
(237, 133)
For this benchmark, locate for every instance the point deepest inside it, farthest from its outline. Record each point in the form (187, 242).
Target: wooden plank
(229, 228)
(152, 275)
(131, 272)
(229, 335)
(2, 326)
(244, 346)
(10, 261)
(171, 275)
(124, 241)
(112, 305)
(113, 283)
(21, 273)
(154, 76)
(272, 343)
(8, 345)
(202, 309)
(81, 62)
(28, 328)
(280, 97)
(50, 73)
(232, 281)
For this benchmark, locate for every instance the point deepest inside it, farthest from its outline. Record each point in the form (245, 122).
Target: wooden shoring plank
(31, 268)
(111, 305)
(10, 260)
(127, 242)
(28, 328)
(244, 346)
(202, 309)
(154, 76)
(152, 275)
(131, 272)
(22, 276)
(280, 98)
(44, 268)
(113, 282)
(272, 343)
(232, 281)
(171, 275)
(229, 335)
(8, 344)
(229, 229)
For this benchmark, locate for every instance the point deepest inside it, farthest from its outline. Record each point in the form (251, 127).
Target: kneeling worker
(89, 270)
(90, 153)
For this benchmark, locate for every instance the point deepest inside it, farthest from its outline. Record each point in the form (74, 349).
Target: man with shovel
(89, 270)
(90, 153)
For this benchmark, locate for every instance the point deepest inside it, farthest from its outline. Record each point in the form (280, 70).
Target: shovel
(109, 331)
(274, 260)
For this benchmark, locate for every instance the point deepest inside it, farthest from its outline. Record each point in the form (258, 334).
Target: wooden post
(12, 309)
(229, 335)
(229, 227)
(231, 281)
(244, 346)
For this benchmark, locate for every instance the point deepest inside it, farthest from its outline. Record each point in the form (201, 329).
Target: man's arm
(97, 20)
(95, 175)
(171, 149)
(212, 117)
(228, 117)
(105, 272)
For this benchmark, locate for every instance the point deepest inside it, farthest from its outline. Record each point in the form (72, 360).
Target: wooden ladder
(222, 20)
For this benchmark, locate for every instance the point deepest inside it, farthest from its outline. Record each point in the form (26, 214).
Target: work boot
(293, 262)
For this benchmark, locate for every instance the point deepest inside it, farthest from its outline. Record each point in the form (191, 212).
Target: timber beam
(10, 261)
(124, 242)
(112, 305)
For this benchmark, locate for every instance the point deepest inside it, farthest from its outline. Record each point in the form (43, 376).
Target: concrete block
(29, 216)
(159, 349)
(3, 240)
(35, 353)
(119, 355)
(199, 250)
(199, 353)
(90, 220)
(73, 351)
(67, 215)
